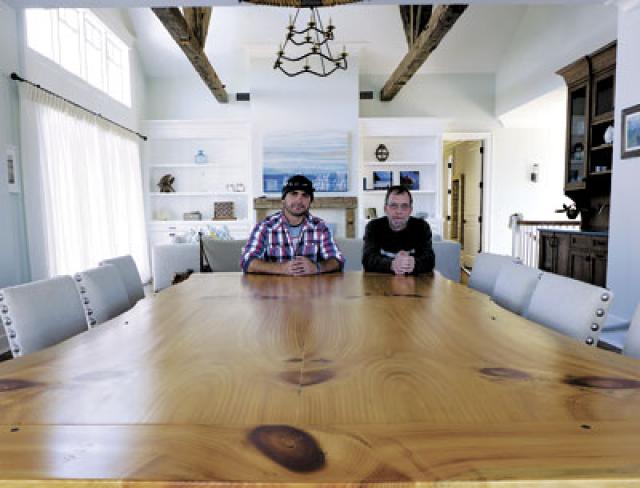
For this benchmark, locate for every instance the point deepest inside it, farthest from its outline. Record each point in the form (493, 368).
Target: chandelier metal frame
(318, 37)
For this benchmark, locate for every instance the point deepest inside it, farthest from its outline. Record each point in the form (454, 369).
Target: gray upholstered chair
(486, 267)
(632, 340)
(352, 251)
(514, 286)
(41, 313)
(169, 259)
(569, 306)
(103, 293)
(447, 255)
(130, 276)
(223, 255)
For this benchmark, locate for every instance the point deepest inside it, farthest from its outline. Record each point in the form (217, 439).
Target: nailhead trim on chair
(12, 336)
(85, 301)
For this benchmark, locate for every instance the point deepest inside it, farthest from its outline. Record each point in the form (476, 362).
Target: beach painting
(323, 157)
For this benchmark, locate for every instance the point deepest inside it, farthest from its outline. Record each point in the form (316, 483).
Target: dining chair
(41, 313)
(352, 251)
(103, 294)
(128, 270)
(486, 267)
(222, 255)
(632, 340)
(514, 286)
(572, 307)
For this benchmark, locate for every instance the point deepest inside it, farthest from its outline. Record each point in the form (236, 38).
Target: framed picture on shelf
(410, 179)
(382, 180)
(631, 132)
(13, 173)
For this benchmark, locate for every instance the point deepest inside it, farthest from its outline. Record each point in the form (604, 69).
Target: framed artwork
(13, 171)
(382, 180)
(631, 132)
(322, 157)
(410, 179)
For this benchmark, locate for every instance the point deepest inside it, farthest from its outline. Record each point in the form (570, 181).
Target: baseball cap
(298, 182)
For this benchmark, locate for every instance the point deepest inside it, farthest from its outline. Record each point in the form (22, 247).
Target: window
(78, 41)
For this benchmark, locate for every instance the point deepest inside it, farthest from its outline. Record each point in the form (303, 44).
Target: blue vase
(201, 157)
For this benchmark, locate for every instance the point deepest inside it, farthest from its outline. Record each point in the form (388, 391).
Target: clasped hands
(299, 266)
(403, 263)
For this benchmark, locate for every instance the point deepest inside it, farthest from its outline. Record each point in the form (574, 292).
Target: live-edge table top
(337, 379)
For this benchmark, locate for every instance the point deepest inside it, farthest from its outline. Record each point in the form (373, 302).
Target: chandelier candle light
(311, 46)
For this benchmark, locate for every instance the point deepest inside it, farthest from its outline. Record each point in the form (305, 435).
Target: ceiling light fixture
(309, 50)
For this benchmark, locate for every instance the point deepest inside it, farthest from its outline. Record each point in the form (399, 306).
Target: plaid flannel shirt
(270, 241)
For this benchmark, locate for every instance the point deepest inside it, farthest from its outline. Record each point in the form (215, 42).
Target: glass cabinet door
(577, 138)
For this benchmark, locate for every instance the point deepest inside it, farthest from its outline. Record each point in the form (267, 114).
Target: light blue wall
(13, 253)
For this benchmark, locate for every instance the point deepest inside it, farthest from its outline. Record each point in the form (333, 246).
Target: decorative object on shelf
(196, 215)
(382, 153)
(161, 215)
(631, 132)
(230, 187)
(223, 211)
(13, 172)
(370, 213)
(382, 180)
(310, 45)
(201, 157)
(571, 210)
(578, 151)
(239, 187)
(608, 135)
(322, 157)
(410, 179)
(166, 184)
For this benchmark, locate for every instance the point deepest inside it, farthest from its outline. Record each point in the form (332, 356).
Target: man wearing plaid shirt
(292, 241)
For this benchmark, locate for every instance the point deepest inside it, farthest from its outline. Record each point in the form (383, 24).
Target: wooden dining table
(233, 380)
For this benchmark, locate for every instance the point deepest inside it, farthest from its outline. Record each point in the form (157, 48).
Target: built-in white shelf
(399, 163)
(198, 194)
(181, 166)
(413, 192)
(197, 222)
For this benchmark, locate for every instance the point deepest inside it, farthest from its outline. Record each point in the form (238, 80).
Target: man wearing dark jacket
(398, 243)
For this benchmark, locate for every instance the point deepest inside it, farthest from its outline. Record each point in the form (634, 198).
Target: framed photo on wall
(382, 180)
(631, 132)
(12, 169)
(410, 179)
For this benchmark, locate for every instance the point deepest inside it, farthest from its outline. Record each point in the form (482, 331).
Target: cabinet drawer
(589, 242)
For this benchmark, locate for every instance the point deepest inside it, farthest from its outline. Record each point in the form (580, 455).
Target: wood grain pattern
(323, 380)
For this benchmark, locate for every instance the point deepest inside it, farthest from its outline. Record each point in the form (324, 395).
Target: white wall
(548, 38)
(13, 256)
(466, 101)
(624, 233)
(40, 70)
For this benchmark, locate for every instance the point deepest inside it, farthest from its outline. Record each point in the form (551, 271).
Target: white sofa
(168, 259)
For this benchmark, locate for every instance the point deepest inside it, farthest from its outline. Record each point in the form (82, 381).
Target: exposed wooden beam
(198, 19)
(175, 23)
(442, 19)
(414, 20)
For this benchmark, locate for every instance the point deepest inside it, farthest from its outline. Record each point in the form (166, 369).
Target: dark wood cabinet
(581, 256)
(589, 153)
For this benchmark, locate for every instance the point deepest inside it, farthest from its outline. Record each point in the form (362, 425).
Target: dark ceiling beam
(442, 19)
(175, 23)
(198, 19)
(414, 20)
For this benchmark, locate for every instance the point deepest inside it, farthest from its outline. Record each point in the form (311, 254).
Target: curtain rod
(16, 77)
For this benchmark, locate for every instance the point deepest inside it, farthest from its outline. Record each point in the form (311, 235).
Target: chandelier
(309, 49)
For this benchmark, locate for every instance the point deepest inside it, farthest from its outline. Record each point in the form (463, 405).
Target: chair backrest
(447, 255)
(486, 267)
(103, 293)
(352, 251)
(514, 286)
(569, 306)
(223, 255)
(130, 276)
(41, 313)
(632, 340)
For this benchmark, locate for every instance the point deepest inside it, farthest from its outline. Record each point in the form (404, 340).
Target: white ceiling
(474, 45)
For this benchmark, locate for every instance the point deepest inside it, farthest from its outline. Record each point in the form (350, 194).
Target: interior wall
(13, 255)
(624, 234)
(548, 38)
(40, 70)
(465, 101)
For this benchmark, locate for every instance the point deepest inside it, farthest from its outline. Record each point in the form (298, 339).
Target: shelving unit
(171, 149)
(414, 145)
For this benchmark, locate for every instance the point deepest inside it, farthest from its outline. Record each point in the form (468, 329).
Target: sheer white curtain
(91, 187)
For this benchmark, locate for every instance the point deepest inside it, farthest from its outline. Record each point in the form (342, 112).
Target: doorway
(464, 167)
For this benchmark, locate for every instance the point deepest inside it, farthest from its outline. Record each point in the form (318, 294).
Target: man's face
(398, 210)
(296, 203)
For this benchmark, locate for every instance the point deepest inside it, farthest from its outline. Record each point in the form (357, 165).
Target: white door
(469, 161)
